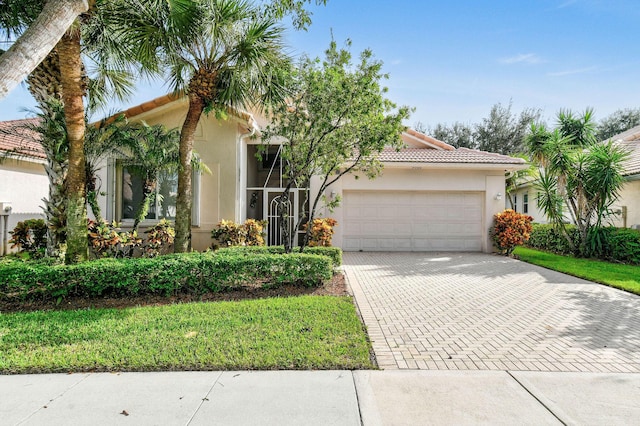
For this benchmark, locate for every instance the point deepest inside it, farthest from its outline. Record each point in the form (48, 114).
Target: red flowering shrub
(510, 229)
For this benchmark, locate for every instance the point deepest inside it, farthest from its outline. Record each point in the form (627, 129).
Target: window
(525, 203)
(515, 203)
(163, 196)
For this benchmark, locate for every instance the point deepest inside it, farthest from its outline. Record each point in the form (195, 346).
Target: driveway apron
(473, 311)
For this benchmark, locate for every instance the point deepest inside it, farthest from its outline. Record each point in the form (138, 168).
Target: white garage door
(412, 221)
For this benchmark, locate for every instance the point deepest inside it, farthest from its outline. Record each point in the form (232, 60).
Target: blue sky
(453, 60)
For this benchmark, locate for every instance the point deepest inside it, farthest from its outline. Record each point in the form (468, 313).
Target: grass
(306, 332)
(624, 277)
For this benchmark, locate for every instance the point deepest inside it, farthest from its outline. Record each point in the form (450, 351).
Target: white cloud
(523, 58)
(572, 72)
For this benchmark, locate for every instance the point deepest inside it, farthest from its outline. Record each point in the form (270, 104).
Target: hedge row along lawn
(307, 332)
(624, 277)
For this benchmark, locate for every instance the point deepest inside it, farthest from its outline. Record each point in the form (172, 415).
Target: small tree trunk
(184, 200)
(147, 189)
(72, 92)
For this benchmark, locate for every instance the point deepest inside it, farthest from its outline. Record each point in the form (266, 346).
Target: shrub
(230, 234)
(160, 238)
(30, 236)
(624, 245)
(334, 253)
(194, 273)
(510, 229)
(106, 240)
(548, 237)
(321, 232)
(613, 244)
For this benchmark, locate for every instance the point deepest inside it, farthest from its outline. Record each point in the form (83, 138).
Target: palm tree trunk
(72, 93)
(182, 242)
(37, 41)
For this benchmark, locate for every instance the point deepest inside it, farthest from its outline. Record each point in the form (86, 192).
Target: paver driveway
(472, 311)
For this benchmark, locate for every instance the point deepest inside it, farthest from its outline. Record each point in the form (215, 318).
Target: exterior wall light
(498, 196)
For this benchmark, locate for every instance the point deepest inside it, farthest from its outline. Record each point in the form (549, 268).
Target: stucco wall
(24, 184)
(409, 178)
(534, 211)
(216, 143)
(629, 197)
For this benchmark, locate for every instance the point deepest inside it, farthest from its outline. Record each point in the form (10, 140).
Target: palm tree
(221, 54)
(67, 79)
(39, 34)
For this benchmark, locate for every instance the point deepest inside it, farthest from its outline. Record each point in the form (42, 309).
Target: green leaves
(579, 177)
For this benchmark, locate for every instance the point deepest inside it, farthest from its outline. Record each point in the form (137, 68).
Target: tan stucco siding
(629, 197)
(216, 143)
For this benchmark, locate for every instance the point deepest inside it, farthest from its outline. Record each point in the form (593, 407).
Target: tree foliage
(337, 120)
(502, 131)
(579, 176)
(618, 122)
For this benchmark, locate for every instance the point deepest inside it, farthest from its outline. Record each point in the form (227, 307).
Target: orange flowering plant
(321, 232)
(510, 229)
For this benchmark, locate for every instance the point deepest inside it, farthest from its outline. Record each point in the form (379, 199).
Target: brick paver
(473, 311)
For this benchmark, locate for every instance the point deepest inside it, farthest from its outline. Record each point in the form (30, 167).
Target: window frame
(116, 169)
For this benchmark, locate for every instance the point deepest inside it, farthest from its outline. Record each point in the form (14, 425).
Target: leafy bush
(30, 236)
(608, 243)
(160, 238)
(624, 245)
(334, 253)
(106, 240)
(194, 273)
(548, 237)
(510, 229)
(321, 232)
(231, 234)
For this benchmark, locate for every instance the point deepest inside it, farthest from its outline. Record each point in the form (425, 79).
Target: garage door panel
(413, 220)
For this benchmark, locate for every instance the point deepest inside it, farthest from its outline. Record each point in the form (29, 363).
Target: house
(627, 208)
(626, 211)
(23, 180)
(430, 197)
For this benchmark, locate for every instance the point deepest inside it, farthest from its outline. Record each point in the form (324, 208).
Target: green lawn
(625, 277)
(307, 332)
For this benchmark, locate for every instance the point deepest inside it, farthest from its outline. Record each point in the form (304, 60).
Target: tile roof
(459, 155)
(18, 140)
(167, 99)
(631, 141)
(428, 140)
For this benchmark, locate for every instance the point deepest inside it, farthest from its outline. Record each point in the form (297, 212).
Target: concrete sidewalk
(407, 397)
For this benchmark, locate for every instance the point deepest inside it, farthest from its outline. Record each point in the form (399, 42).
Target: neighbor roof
(19, 141)
(630, 140)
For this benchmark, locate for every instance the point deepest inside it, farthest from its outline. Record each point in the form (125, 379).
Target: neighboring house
(626, 211)
(430, 197)
(627, 208)
(23, 180)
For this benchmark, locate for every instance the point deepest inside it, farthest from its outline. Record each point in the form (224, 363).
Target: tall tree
(336, 121)
(37, 36)
(618, 122)
(503, 131)
(222, 54)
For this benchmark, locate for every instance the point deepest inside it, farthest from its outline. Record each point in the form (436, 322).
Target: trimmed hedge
(546, 237)
(617, 244)
(334, 253)
(195, 273)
